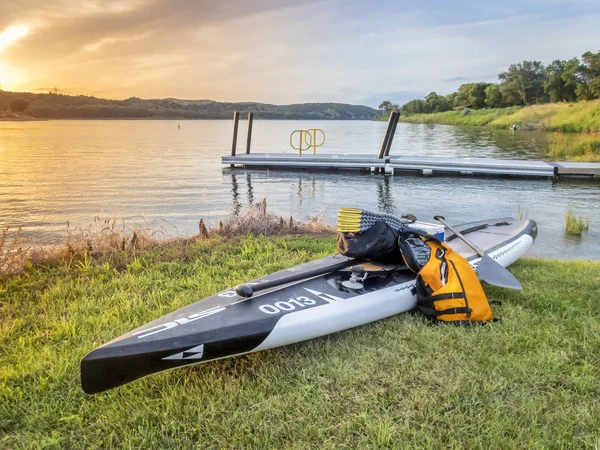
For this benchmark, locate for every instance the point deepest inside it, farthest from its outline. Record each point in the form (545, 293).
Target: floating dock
(384, 163)
(415, 165)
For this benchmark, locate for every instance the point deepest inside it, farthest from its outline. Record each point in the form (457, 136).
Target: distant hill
(59, 106)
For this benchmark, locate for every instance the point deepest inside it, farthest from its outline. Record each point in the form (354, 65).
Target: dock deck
(383, 162)
(413, 164)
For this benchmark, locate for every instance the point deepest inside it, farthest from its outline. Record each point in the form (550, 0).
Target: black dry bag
(379, 243)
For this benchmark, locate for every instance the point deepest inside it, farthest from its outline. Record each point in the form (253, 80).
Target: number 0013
(290, 305)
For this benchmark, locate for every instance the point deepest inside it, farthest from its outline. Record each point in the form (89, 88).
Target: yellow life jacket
(448, 288)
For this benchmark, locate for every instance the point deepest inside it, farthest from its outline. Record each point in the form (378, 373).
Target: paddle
(247, 291)
(354, 220)
(488, 269)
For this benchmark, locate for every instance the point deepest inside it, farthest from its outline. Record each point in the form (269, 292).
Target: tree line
(525, 83)
(59, 106)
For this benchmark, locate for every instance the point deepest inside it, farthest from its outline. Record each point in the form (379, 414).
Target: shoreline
(19, 257)
(572, 129)
(34, 119)
(21, 119)
(108, 242)
(579, 117)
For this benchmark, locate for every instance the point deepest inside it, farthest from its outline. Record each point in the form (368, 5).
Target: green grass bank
(532, 380)
(574, 146)
(582, 116)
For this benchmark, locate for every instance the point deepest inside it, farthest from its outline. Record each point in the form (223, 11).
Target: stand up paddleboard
(337, 293)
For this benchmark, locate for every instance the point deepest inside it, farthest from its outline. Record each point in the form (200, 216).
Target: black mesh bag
(379, 243)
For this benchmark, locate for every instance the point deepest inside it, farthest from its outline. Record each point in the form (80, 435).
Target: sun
(12, 34)
(10, 78)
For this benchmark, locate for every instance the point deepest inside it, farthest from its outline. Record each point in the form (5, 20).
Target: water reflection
(307, 186)
(301, 195)
(250, 191)
(385, 200)
(477, 141)
(237, 206)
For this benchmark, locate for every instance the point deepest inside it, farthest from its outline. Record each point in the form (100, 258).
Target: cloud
(457, 79)
(284, 51)
(110, 40)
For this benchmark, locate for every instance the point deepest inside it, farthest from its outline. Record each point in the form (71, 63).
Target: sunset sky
(281, 51)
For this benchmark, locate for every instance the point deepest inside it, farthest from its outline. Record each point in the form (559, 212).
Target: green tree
(437, 103)
(18, 105)
(511, 93)
(471, 94)
(584, 92)
(574, 80)
(591, 72)
(555, 86)
(493, 96)
(450, 99)
(415, 107)
(385, 106)
(523, 83)
(477, 95)
(462, 95)
(432, 100)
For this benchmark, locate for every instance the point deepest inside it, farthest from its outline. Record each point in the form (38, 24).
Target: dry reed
(107, 237)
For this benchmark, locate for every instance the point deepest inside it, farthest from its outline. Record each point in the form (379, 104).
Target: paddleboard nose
(93, 375)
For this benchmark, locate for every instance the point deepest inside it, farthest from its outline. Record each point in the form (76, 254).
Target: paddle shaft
(442, 220)
(247, 290)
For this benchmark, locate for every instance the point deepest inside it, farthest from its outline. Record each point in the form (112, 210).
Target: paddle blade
(493, 273)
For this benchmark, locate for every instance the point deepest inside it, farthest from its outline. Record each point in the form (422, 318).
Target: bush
(18, 105)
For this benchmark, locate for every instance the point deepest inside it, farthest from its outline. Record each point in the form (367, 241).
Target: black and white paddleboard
(226, 324)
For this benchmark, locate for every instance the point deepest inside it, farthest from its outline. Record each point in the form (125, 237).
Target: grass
(574, 147)
(477, 117)
(574, 224)
(524, 213)
(532, 380)
(582, 116)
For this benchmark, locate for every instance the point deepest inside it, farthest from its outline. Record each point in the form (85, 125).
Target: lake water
(155, 175)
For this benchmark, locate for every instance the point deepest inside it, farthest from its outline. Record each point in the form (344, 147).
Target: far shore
(19, 119)
(573, 128)
(172, 119)
(580, 117)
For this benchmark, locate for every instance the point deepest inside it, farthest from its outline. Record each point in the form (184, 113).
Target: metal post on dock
(394, 122)
(249, 137)
(236, 121)
(386, 137)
